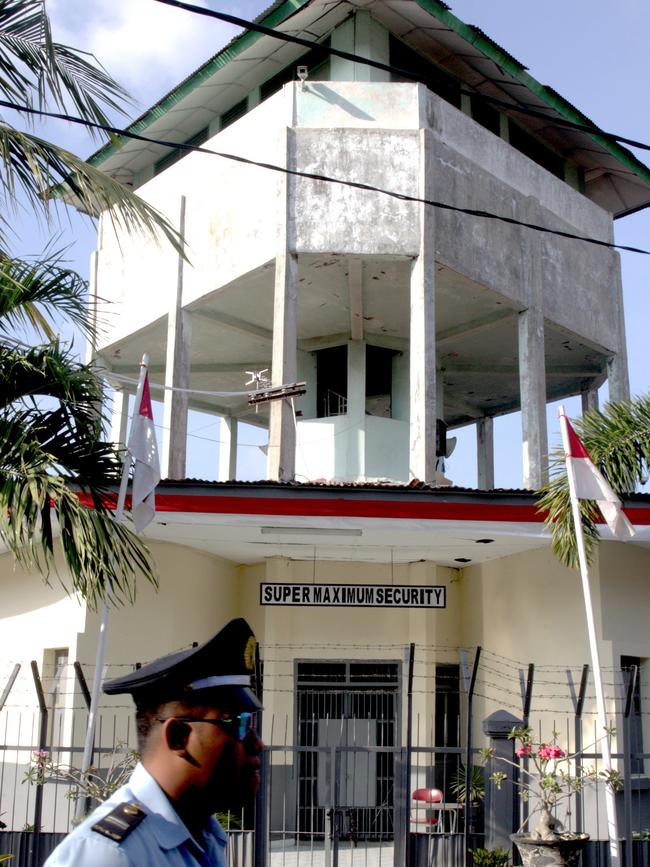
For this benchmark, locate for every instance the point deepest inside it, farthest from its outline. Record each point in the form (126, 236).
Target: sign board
(354, 595)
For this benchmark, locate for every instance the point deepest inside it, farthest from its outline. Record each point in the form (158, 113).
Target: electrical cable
(404, 197)
(522, 108)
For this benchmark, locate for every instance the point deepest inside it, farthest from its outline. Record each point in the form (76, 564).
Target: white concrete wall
(364, 132)
(335, 447)
(231, 219)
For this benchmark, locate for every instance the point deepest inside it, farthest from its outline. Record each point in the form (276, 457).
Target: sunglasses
(237, 726)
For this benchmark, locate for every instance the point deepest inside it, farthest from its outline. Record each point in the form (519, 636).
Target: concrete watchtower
(397, 314)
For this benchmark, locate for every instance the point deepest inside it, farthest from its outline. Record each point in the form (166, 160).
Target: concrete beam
(226, 367)
(284, 368)
(589, 396)
(485, 453)
(617, 369)
(220, 408)
(355, 288)
(422, 370)
(489, 369)
(532, 387)
(235, 324)
(120, 417)
(356, 412)
(532, 369)
(474, 326)
(228, 435)
(311, 344)
(177, 377)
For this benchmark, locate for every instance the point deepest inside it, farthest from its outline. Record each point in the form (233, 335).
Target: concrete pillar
(532, 387)
(485, 453)
(284, 363)
(532, 372)
(589, 399)
(228, 432)
(356, 456)
(500, 802)
(617, 369)
(177, 376)
(120, 417)
(422, 370)
(93, 307)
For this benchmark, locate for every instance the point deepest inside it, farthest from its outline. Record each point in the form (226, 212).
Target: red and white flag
(144, 451)
(590, 484)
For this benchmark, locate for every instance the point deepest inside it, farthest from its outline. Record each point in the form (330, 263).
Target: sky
(593, 53)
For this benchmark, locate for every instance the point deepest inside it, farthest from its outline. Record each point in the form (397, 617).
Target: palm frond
(37, 167)
(55, 72)
(103, 557)
(38, 291)
(618, 441)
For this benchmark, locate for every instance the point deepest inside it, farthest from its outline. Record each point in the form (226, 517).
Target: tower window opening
(379, 381)
(332, 381)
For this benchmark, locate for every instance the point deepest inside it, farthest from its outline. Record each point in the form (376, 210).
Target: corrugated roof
(609, 162)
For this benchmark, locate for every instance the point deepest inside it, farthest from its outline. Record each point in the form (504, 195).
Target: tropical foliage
(618, 441)
(54, 461)
(36, 72)
(51, 445)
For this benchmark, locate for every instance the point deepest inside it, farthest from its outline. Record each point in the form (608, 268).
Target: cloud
(147, 46)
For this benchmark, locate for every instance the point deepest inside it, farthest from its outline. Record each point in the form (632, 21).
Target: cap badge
(249, 654)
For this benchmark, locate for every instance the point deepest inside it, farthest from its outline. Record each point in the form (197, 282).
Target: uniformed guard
(199, 754)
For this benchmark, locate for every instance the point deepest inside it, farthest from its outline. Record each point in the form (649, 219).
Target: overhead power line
(521, 108)
(314, 176)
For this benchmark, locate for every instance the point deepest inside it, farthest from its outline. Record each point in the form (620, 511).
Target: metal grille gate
(346, 714)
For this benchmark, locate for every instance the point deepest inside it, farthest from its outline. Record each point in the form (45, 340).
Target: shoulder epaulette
(118, 824)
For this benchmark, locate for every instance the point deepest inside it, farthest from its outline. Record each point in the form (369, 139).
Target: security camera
(303, 72)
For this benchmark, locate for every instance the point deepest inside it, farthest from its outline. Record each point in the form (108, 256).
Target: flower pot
(558, 852)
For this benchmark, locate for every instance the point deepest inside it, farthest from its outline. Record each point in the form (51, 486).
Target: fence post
(501, 802)
(83, 686)
(402, 855)
(528, 698)
(262, 798)
(630, 676)
(9, 686)
(577, 732)
(468, 755)
(42, 743)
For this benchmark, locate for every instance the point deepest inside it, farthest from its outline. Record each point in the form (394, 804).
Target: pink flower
(550, 751)
(524, 750)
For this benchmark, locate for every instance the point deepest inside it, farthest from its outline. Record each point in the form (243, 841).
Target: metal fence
(353, 734)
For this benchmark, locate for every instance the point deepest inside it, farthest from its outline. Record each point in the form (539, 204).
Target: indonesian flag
(590, 484)
(144, 451)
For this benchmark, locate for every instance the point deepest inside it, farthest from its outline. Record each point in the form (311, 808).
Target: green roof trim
(487, 46)
(275, 14)
(282, 9)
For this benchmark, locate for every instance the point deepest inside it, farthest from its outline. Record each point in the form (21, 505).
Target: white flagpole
(103, 628)
(610, 803)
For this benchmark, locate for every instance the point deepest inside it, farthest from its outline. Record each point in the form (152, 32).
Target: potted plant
(476, 784)
(550, 778)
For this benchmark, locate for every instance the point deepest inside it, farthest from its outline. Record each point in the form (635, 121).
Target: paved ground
(284, 854)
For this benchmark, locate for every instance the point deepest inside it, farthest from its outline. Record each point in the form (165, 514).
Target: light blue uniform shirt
(160, 840)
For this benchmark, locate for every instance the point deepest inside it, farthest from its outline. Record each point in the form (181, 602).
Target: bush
(490, 858)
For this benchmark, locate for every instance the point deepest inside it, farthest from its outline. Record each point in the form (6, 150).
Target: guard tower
(403, 319)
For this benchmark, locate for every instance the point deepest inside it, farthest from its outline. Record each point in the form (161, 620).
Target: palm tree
(54, 461)
(618, 441)
(35, 72)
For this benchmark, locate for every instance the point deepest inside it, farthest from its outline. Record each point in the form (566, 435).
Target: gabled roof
(614, 177)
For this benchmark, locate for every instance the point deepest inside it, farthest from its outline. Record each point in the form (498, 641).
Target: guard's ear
(176, 734)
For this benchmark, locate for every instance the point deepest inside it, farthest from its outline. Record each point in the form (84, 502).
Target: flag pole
(103, 628)
(610, 803)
